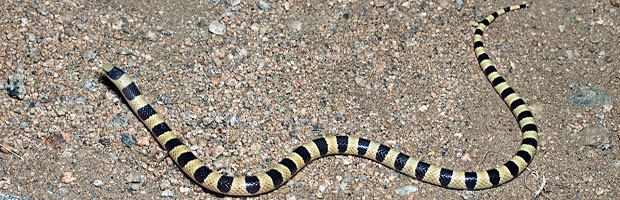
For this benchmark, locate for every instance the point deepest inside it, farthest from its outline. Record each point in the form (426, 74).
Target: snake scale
(346, 145)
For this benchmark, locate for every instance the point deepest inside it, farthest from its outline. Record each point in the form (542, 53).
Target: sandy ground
(244, 82)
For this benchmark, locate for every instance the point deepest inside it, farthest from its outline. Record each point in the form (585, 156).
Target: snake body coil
(348, 145)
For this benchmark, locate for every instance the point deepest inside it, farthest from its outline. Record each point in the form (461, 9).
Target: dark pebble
(129, 141)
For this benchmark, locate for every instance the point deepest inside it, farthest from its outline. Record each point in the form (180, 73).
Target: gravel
(272, 75)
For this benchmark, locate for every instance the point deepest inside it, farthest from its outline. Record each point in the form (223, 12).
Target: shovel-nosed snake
(346, 145)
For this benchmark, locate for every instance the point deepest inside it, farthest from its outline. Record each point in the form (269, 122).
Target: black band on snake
(346, 145)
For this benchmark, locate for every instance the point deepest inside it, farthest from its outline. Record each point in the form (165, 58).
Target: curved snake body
(348, 145)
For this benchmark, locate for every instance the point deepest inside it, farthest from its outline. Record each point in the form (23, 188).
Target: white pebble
(407, 190)
(97, 183)
(296, 25)
(167, 193)
(264, 5)
(217, 28)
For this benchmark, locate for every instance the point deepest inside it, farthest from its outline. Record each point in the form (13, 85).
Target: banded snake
(346, 145)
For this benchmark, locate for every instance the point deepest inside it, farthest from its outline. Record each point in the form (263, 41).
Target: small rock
(67, 154)
(290, 197)
(407, 190)
(88, 85)
(16, 87)
(135, 186)
(296, 25)
(67, 177)
(466, 157)
(423, 108)
(80, 100)
(343, 186)
(217, 28)
(220, 163)
(443, 3)
(151, 36)
(218, 151)
(615, 3)
(324, 185)
(348, 177)
(129, 141)
(380, 3)
(264, 5)
(166, 31)
(167, 193)
(164, 185)
(184, 189)
(43, 11)
(255, 27)
(118, 25)
(63, 191)
(133, 178)
(459, 2)
(13, 197)
(322, 188)
(97, 183)
(589, 96)
(143, 141)
(569, 54)
(123, 51)
(361, 81)
(595, 136)
(23, 125)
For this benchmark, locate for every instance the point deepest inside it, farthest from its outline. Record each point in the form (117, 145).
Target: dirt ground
(245, 82)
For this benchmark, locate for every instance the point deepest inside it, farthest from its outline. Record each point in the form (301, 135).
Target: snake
(288, 166)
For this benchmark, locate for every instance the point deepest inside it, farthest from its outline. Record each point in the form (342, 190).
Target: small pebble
(133, 178)
(97, 183)
(217, 28)
(151, 36)
(218, 151)
(166, 31)
(322, 187)
(264, 5)
(129, 141)
(89, 55)
(296, 25)
(67, 177)
(407, 190)
(165, 184)
(123, 51)
(167, 193)
(589, 96)
(184, 189)
(615, 3)
(63, 191)
(443, 3)
(16, 87)
(43, 11)
(135, 186)
(595, 136)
